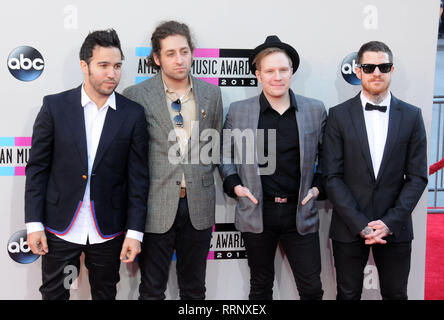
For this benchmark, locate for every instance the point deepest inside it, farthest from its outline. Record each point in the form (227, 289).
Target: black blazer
(348, 177)
(56, 173)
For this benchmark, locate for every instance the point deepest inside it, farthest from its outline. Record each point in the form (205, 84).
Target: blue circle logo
(25, 63)
(348, 69)
(18, 248)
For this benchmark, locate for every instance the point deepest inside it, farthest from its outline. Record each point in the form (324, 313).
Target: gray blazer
(311, 118)
(165, 177)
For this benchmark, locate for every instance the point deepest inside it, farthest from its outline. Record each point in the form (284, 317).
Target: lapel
(357, 119)
(160, 107)
(392, 134)
(253, 112)
(113, 121)
(300, 123)
(75, 119)
(193, 149)
(202, 101)
(253, 121)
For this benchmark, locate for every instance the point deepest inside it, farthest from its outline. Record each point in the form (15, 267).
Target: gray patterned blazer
(165, 177)
(311, 117)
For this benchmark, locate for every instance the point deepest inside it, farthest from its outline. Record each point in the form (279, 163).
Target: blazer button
(178, 183)
(85, 177)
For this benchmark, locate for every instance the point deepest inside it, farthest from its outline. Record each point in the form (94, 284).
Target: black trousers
(192, 247)
(302, 251)
(392, 261)
(61, 266)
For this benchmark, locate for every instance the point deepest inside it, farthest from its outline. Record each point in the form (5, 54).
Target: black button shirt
(285, 180)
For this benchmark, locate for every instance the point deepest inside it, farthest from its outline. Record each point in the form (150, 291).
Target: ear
(358, 73)
(258, 76)
(156, 59)
(84, 66)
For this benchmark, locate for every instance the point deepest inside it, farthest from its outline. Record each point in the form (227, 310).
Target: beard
(100, 86)
(105, 91)
(376, 89)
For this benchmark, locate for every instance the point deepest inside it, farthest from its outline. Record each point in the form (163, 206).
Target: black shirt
(284, 182)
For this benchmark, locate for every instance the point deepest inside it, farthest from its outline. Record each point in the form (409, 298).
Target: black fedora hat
(274, 42)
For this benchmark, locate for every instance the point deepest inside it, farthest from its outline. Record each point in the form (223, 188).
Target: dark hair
(374, 46)
(164, 30)
(102, 38)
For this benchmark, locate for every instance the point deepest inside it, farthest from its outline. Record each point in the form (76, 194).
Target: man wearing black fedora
(276, 204)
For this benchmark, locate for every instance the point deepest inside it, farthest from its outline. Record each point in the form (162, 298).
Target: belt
(281, 200)
(183, 193)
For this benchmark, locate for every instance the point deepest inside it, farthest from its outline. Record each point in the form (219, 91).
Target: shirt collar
(170, 92)
(85, 99)
(264, 104)
(385, 102)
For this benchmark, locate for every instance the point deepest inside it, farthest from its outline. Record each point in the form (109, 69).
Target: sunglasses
(178, 119)
(369, 68)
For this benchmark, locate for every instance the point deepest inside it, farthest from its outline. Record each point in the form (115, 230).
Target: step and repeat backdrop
(39, 56)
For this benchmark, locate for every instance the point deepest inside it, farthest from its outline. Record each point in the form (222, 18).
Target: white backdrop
(323, 32)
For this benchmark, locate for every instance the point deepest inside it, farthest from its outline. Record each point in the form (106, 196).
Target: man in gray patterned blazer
(276, 189)
(181, 199)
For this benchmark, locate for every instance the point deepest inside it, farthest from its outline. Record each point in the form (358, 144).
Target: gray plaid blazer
(165, 177)
(311, 118)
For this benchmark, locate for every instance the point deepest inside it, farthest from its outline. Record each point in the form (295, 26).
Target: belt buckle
(280, 200)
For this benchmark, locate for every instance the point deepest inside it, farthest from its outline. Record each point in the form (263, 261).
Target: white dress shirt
(376, 123)
(84, 227)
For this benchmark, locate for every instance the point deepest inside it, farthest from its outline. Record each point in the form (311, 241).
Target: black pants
(303, 253)
(192, 247)
(61, 265)
(392, 261)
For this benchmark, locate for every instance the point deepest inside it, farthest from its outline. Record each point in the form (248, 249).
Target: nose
(179, 58)
(377, 72)
(110, 72)
(277, 75)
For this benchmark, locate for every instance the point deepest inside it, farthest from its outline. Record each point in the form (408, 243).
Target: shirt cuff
(34, 227)
(137, 235)
(230, 182)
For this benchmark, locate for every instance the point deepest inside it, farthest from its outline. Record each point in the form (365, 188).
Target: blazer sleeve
(138, 182)
(416, 178)
(39, 165)
(344, 203)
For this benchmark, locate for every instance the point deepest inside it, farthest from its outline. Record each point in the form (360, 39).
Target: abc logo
(25, 63)
(348, 69)
(18, 249)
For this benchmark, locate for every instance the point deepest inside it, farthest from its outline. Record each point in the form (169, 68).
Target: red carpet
(434, 270)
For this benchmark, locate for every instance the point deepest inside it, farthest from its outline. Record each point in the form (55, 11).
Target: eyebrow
(108, 62)
(180, 49)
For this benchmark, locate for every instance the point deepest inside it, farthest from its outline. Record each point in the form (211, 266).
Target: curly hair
(164, 30)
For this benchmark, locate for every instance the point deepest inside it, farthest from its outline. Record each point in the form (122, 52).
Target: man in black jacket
(375, 171)
(87, 176)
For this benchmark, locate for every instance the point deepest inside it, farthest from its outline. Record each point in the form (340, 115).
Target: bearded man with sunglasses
(374, 173)
(181, 198)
